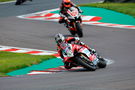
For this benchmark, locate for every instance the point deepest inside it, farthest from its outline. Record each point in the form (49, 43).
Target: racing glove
(93, 51)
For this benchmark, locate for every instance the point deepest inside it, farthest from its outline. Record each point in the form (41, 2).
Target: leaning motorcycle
(82, 57)
(73, 21)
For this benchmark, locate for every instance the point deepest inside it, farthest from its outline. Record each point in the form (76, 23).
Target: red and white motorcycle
(81, 56)
(74, 22)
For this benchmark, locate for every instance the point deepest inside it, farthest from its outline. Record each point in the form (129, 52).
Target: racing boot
(67, 65)
(61, 20)
(93, 51)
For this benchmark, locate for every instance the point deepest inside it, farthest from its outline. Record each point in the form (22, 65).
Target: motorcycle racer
(65, 5)
(60, 39)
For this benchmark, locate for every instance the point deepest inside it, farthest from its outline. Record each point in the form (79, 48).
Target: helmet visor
(66, 3)
(59, 41)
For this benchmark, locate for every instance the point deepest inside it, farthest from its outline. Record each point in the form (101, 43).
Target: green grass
(12, 61)
(6, 0)
(126, 8)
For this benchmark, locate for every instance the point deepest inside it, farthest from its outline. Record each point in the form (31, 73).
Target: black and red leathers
(63, 10)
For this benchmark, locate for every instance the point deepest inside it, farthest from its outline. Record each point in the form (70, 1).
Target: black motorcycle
(19, 2)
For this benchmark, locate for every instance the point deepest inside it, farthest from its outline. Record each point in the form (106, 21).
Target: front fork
(72, 25)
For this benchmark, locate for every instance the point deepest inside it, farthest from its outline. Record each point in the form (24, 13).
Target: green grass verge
(6, 0)
(12, 61)
(126, 8)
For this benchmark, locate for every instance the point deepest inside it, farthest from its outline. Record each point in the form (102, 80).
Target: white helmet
(59, 38)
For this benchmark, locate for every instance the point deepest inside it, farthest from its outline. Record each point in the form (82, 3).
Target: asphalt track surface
(112, 43)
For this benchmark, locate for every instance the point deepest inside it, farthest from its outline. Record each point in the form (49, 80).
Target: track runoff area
(57, 69)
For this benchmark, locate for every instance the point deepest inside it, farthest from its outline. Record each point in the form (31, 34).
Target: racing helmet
(67, 3)
(59, 38)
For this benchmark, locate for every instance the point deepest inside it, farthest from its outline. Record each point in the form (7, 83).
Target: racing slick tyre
(72, 32)
(81, 60)
(79, 29)
(101, 63)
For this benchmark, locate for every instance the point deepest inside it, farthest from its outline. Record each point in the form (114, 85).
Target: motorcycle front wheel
(86, 63)
(102, 63)
(79, 29)
(72, 32)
